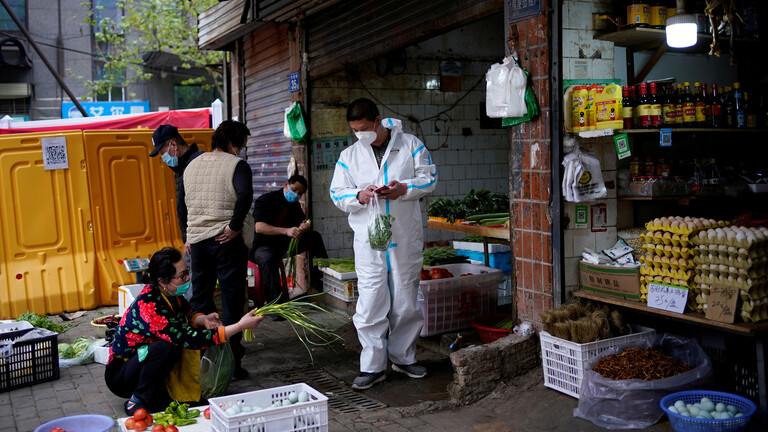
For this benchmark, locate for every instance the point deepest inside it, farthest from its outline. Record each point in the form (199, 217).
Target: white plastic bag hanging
(583, 178)
(505, 89)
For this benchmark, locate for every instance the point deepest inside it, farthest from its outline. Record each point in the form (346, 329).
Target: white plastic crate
(310, 416)
(451, 304)
(563, 361)
(338, 275)
(13, 326)
(478, 246)
(343, 289)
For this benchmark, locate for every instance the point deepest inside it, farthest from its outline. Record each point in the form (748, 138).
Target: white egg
(720, 407)
(738, 414)
(293, 397)
(231, 411)
(303, 396)
(673, 409)
(246, 409)
(731, 409)
(708, 406)
(679, 404)
(695, 411)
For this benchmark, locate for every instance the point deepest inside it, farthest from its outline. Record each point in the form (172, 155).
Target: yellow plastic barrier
(47, 259)
(133, 199)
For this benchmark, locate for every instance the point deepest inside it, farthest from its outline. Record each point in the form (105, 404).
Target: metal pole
(42, 57)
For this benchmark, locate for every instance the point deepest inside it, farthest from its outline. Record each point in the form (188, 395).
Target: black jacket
(181, 208)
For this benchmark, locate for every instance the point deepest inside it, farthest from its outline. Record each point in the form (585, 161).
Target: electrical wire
(412, 118)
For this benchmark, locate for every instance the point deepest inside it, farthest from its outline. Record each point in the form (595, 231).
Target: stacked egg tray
(668, 252)
(734, 257)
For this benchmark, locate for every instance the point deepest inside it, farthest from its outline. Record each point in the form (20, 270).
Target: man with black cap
(177, 154)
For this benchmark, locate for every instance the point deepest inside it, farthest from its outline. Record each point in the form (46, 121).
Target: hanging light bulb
(681, 28)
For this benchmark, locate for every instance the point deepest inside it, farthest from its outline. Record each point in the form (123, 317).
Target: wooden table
(758, 332)
(489, 234)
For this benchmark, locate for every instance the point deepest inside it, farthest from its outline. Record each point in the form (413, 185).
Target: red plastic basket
(485, 330)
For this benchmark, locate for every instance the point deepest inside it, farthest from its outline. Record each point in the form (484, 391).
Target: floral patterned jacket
(154, 316)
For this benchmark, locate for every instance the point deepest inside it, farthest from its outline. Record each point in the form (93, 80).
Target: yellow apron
(183, 382)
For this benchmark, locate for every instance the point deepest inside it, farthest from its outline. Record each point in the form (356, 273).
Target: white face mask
(367, 137)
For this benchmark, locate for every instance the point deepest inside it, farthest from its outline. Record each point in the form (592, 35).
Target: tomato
(207, 413)
(129, 424)
(425, 275)
(140, 414)
(158, 428)
(149, 419)
(140, 425)
(171, 428)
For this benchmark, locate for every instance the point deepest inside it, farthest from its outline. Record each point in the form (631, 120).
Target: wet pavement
(275, 357)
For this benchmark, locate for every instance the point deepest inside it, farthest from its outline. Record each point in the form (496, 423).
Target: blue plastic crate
(498, 260)
(682, 423)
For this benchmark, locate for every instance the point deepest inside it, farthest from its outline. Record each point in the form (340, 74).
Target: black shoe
(240, 373)
(132, 410)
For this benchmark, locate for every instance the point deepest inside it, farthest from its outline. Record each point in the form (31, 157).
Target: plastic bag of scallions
(379, 226)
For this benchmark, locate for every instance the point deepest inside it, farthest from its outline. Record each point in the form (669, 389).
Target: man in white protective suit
(387, 318)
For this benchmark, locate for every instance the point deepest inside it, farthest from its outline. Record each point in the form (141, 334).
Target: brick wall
(478, 160)
(531, 167)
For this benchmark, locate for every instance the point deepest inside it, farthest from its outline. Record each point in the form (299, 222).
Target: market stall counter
(748, 378)
(489, 234)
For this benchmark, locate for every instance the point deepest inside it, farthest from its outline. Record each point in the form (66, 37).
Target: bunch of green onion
(293, 250)
(308, 330)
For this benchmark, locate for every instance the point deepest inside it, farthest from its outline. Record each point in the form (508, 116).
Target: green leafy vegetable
(42, 321)
(442, 255)
(341, 265)
(380, 231)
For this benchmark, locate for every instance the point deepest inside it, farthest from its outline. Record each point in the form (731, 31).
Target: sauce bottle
(644, 108)
(655, 107)
(668, 112)
(627, 108)
(679, 105)
(716, 113)
(689, 110)
(700, 107)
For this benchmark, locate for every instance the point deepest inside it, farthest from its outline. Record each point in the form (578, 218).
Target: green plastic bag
(294, 123)
(530, 103)
(216, 368)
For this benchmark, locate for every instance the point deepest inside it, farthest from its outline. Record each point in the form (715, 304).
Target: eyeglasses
(183, 275)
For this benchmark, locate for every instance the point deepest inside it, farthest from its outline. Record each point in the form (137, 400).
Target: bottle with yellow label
(689, 109)
(679, 105)
(578, 109)
(590, 107)
(608, 108)
(658, 18)
(638, 14)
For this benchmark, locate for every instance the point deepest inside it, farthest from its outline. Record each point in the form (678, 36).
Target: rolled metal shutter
(350, 33)
(266, 96)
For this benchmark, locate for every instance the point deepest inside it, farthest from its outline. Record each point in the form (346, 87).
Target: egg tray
(683, 225)
(744, 237)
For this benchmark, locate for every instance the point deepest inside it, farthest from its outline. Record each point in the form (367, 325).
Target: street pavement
(275, 358)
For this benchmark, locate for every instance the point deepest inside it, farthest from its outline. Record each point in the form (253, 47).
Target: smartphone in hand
(381, 189)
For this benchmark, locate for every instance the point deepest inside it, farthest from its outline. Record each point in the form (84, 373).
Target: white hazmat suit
(388, 318)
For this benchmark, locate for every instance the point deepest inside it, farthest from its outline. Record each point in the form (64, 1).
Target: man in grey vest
(218, 194)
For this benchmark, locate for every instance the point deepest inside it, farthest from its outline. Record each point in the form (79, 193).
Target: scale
(136, 265)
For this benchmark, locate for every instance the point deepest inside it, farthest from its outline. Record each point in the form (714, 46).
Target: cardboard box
(616, 281)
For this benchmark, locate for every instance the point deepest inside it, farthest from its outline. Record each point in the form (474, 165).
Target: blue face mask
(171, 161)
(290, 195)
(180, 289)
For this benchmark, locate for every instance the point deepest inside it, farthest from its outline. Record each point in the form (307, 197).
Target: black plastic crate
(29, 362)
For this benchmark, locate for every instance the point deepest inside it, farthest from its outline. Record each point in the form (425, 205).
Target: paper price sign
(721, 304)
(667, 297)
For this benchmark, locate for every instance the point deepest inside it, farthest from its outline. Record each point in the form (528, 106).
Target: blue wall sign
(99, 109)
(293, 82)
(520, 9)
